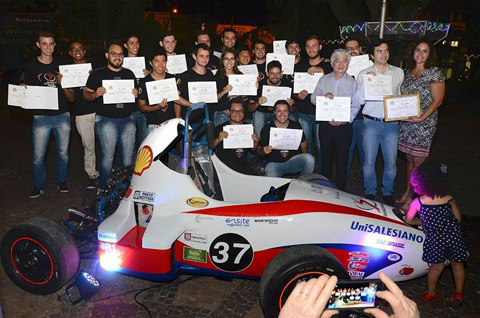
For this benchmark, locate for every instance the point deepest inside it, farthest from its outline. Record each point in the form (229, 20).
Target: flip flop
(455, 301)
(429, 297)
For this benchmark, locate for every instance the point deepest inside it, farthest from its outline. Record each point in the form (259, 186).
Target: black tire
(39, 256)
(319, 179)
(295, 264)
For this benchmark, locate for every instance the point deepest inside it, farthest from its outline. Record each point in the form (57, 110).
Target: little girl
(440, 217)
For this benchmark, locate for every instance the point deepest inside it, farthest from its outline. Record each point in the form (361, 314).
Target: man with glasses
(84, 115)
(336, 136)
(41, 71)
(114, 123)
(376, 132)
(236, 159)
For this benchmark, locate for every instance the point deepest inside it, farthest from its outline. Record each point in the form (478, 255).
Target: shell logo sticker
(197, 202)
(144, 160)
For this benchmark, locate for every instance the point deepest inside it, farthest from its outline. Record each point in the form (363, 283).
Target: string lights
(412, 27)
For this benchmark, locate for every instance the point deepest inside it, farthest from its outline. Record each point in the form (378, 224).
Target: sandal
(428, 297)
(455, 301)
(402, 199)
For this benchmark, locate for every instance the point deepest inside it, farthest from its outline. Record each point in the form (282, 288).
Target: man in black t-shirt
(156, 114)
(236, 159)
(198, 73)
(41, 71)
(213, 62)
(260, 58)
(113, 122)
(281, 162)
(84, 115)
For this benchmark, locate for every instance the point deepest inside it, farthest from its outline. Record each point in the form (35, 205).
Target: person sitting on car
(236, 158)
(281, 161)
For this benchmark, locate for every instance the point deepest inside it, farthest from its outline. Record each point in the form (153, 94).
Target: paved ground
(456, 143)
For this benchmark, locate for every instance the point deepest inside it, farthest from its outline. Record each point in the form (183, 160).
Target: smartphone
(355, 294)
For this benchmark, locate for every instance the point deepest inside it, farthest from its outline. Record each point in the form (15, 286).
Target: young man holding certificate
(233, 153)
(41, 71)
(113, 90)
(376, 132)
(336, 134)
(284, 144)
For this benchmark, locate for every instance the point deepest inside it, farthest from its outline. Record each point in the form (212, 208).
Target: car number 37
(231, 252)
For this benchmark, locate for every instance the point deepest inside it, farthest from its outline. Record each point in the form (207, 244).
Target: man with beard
(282, 162)
(84, 115)
(260, 58)
(229, 38)
(114, 123)
(213, 62)
(41, 71)
(292, 46)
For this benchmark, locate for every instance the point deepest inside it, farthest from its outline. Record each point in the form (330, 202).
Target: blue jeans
(309, 126)
(141, 124)
(303, 163)
(260, 119)
(385, 135)
(111, 131)
(220, 117)
(357, 141)
(42, 127)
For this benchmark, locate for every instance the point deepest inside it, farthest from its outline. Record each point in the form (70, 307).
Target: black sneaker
(37, 192)
(388, 199)
(62, 187)
(92, 183)
(371, 197)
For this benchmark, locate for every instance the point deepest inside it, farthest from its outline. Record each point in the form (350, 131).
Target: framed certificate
(400, 107)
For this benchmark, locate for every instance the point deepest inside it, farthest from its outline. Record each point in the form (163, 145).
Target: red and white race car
(192, 214)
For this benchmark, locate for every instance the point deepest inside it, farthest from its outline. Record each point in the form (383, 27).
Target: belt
(374, 118)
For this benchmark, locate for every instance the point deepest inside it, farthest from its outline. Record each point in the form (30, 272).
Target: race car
(183, 211)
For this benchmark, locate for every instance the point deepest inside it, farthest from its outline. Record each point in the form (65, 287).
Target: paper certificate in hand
(176, 64)
(401, 106)
(279, 47)
(33, 97)
(250, 69)
(336, 109)
(287, 61)
(285, 139)
(118, 91)
(239, 136)
(274, 93)
(158, 90)
(376, 87)
(243, 85)
(202, 92)
(305, 81)
(135, 64)
(75, 75)
(357, 64)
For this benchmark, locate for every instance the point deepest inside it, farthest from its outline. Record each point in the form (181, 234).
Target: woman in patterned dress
(415, 134)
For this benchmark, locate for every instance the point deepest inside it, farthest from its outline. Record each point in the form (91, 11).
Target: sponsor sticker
(406, 270)
(197, 238)
(386, 231)
(144, 196)
(194, 255)
(237, 222)
(202, 218)
(197, 202)
(266, 221)
(393, 257)
(366, 205)
(107, 236)
(357, 263)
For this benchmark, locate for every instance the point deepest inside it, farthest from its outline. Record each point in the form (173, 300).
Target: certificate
(202, 92)
(287, 61)
(274, 93)
(250, 69)
(217, 54)
(176, 64)
(305, 81)
(285, 139)
(279, 47)
(376, 87)
(136, 65)
(337, 109)
(118, 91)
(357, 64)
(239, 136)
(400, 107)
(244, 85)
(158, 90)
(75, 75)
(33, 97)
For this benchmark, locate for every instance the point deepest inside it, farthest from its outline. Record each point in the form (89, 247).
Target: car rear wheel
(39, 256)
(294, 265)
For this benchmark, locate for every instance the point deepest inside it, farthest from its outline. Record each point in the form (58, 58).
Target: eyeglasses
(229, 59)
(241, 111)
(116, 54)
(353, 48)
(340, 61)
(77, 49)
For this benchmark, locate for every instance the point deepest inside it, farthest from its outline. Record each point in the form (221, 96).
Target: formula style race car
(180, 210)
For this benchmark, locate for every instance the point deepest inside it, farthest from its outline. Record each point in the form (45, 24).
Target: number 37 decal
(231, 252)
